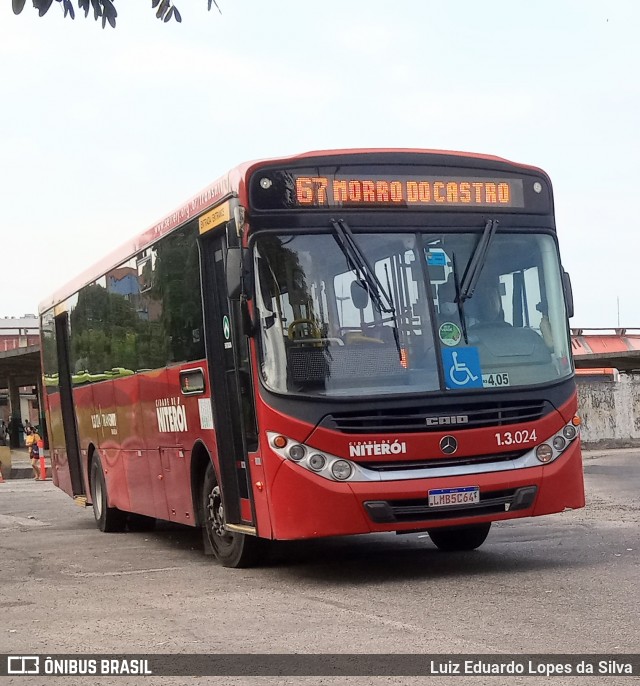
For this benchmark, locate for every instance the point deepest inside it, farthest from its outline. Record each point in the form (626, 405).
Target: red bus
(338, 342)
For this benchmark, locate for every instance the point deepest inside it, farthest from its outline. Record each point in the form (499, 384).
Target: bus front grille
(439, 462)
(455, 417)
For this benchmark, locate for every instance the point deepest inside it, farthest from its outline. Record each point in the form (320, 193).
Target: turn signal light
(279, 441)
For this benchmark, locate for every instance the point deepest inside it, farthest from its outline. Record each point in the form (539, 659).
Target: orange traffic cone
(43, 465)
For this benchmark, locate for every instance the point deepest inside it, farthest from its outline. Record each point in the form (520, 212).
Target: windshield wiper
(459, 302)
(476, 262)
(358, 262)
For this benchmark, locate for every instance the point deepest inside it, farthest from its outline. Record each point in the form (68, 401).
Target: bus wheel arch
(108, 519)
(231, 549)
(200, 458)
(91, 448)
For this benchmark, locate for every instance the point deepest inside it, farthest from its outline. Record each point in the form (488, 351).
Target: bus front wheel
(455, 538)
(231, 548)
(108, 519)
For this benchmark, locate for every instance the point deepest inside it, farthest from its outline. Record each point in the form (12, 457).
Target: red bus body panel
(149, 471)
(148, 468)
(305, 505)
(301, 511)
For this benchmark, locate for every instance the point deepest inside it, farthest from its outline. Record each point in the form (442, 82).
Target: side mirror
(568, 293)
(234, 273)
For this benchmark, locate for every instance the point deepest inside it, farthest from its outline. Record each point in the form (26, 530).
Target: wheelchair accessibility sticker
(462, 368)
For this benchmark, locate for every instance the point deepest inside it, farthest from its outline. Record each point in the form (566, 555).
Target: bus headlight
(297, 452)
(558, 443)
(312, 459)
(544, 453)
(341, 469)
(317, 461)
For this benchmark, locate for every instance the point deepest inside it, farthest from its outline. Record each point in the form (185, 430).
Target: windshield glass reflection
(325, 330)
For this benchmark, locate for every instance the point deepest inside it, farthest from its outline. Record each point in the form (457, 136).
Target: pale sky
(103, 132)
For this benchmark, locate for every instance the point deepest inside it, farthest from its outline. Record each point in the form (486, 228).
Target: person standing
(31, 441)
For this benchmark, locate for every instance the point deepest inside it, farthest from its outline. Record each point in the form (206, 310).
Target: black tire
(138, 522)
(232, 549)
(455, 538)
(108, 519)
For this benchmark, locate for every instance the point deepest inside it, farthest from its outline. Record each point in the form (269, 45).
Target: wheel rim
(97, 494)
(219, 536)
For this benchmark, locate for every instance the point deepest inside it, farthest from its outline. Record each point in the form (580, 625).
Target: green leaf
(164, 6)
(18, 6)
(42, 6)
(68, 9)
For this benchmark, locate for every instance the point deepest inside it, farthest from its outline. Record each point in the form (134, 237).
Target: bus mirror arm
(234, 273)
(248, 322)
(568, 293)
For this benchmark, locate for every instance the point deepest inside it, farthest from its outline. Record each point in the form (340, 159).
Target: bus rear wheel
(455, 538)
(232, 549)
(108, 519)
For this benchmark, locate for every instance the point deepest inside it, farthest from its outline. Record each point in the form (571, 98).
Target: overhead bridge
(19, 367)
(615, 348)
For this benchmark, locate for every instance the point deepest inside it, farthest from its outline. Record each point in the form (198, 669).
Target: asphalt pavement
(565, 583)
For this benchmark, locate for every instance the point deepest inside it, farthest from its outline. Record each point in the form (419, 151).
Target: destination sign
(381, 187)
(326, 191)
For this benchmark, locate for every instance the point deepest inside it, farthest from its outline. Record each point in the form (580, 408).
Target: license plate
(443, 497)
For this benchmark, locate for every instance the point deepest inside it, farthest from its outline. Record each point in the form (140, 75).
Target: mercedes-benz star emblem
(448, 445)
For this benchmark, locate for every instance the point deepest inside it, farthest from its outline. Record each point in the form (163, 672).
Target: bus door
(67, 408)
(230, 379)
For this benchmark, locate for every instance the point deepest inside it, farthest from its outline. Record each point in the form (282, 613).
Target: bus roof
(233, 184)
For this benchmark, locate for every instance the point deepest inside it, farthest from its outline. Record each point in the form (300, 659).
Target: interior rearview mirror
(359, 295)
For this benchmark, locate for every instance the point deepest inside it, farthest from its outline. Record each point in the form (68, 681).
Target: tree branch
(104, 10)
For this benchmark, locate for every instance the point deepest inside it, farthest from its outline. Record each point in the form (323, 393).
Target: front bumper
(304, 505)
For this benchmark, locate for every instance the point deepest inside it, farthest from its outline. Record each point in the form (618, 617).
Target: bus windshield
(330, 328)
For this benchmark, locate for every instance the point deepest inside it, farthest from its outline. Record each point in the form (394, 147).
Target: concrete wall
(610, 412)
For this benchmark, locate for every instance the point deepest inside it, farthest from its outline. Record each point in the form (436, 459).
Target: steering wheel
(314, 331)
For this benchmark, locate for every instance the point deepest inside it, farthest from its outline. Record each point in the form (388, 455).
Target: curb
(22, 471)
(25, 473)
